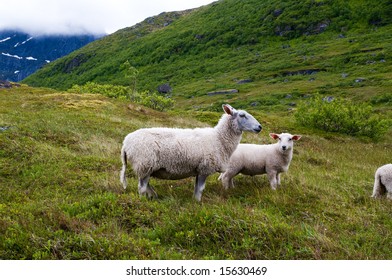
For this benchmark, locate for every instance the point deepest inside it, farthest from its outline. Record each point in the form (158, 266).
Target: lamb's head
(242, 119)
(286, 141)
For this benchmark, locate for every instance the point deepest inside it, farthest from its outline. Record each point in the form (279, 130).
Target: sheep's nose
(258, 129)
(284, 148)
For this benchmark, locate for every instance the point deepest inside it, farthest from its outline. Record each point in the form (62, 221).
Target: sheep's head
(243, 120)
(286, 140)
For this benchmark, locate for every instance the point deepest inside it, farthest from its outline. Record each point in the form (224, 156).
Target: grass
(61, 197)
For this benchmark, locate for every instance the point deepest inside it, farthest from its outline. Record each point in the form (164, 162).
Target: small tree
(130, 73)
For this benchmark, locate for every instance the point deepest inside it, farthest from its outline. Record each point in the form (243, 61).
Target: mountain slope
(22, 54)
(261, 40)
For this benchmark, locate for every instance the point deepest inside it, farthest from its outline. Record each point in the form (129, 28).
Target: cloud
(84, 16)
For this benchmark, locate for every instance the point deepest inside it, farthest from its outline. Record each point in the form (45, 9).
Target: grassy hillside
(61, 197)
(216, 45)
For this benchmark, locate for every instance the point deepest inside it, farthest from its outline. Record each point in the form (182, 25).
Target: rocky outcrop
(223, 91)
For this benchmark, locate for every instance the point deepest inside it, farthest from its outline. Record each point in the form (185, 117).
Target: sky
(43, 17)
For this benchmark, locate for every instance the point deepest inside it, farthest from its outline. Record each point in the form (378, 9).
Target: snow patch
(6, 39)
(31, 58)
(10, 55)
(24, 42)
(16, 72)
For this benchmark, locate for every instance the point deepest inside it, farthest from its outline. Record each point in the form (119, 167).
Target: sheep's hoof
(197, 197)
(151, 193)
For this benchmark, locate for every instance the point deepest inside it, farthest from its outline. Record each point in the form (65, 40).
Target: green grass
(61, 197)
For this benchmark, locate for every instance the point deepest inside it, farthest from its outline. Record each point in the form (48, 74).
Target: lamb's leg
(199, 186)
(389, 195)
(278, 180)
(145, 188)
(272, 179)
(227, 180)
(377, 189)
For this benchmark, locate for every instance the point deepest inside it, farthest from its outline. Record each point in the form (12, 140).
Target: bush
(341, 116)
(152, 100)
(149, 99)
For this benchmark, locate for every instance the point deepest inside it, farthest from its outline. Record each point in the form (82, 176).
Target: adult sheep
(173, 153)
(383, 181)
(252, 159)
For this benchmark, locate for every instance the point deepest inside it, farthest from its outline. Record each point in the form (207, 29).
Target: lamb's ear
(274, 136)
(296, 137)
(228, 109)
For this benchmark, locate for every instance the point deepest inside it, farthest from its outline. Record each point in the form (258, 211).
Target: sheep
(252, 159)
(383, 181)
(174, 153)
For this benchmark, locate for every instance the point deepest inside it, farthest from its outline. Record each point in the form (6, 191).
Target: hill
(268, 42)
(22, 54)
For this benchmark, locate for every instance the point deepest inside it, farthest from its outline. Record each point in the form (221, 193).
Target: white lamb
(173, 153)
(383, 181)
(252, 159)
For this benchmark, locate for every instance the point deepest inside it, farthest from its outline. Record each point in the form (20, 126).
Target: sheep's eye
(290, 139)
(242, 115)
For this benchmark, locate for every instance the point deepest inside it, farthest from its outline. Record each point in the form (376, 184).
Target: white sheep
(383, 181)
(173, 153)
(252, 159)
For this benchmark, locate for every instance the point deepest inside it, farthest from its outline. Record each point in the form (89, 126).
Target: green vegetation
(59, 148)
(341, 116)
(234, 39)
(62, 199)
(150, 99)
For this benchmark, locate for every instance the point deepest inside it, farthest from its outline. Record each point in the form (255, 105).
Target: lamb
(252, 159)
(383, 181)
(173, 153)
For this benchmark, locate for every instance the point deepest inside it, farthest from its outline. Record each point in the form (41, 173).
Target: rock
(277, 12)
(344, 75)
(311, 71)
(254, 103)
(5, 84)
(199, 36)
(328, 99)
(165, 88)
(359, 80)
(223, 91)
(244, 81)
(4, 128)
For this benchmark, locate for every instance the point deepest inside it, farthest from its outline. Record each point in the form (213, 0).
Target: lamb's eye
(242, 115)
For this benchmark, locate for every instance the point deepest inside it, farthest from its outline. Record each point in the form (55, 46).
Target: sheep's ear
(228, 109)
(274, 136)
(296, 137)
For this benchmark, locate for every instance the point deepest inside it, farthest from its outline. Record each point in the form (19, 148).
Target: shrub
(149, 99)
(152, 100)
(341, 116)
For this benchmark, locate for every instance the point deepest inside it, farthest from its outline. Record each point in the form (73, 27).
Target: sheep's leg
(377, 189)
(199, 186)
(272, 179)
(145, 188)
(227, 180)
(278, 180)
(389, 195)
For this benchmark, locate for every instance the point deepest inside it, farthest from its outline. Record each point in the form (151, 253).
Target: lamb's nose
(258, 129)
(284, 148)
